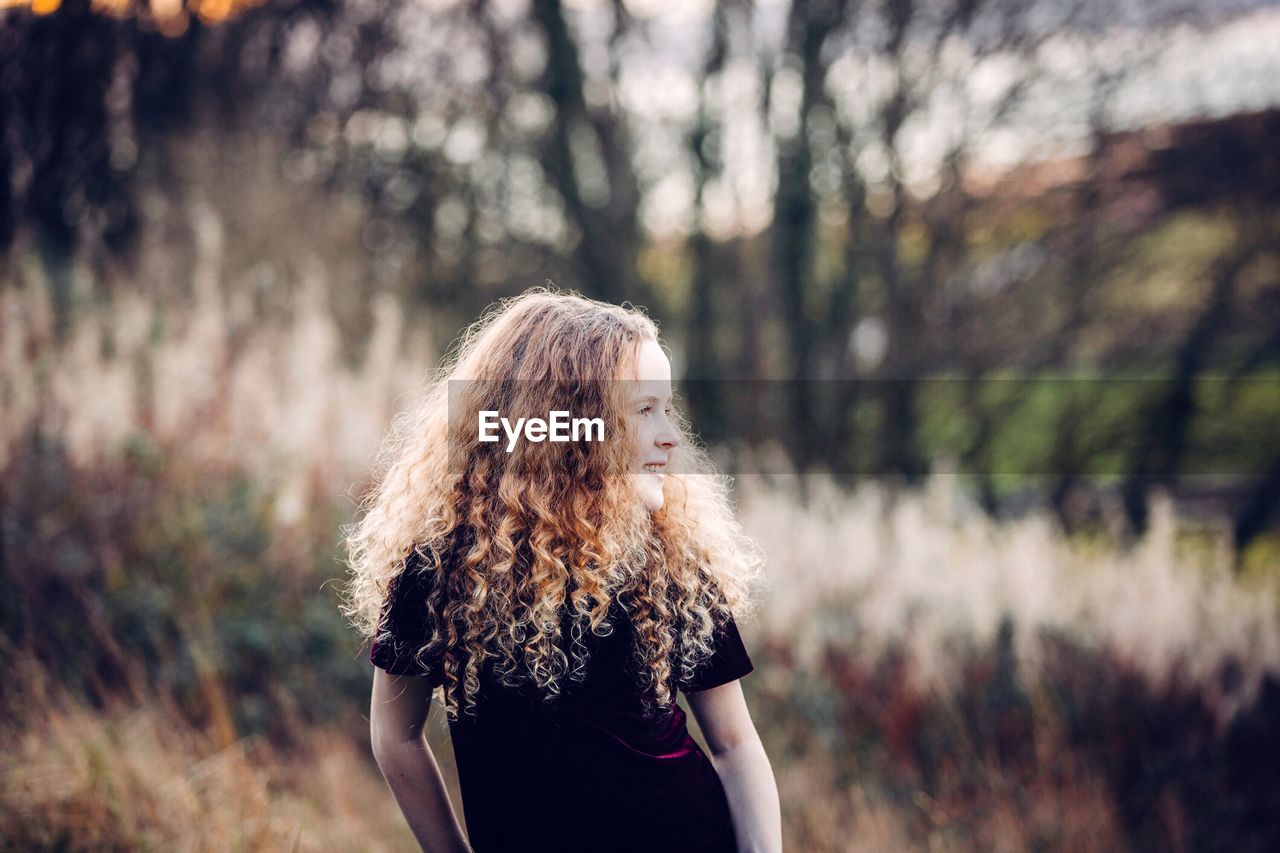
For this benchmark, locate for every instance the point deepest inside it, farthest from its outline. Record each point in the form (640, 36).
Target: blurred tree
(605, 216)
(707, 401)
(66, 133)
(795, 234)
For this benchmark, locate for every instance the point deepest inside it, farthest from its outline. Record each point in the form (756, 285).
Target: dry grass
(872, 570)
(129, 777)
(936, 680)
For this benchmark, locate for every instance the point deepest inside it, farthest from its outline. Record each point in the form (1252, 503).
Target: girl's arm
(740, 760)
(397, 715)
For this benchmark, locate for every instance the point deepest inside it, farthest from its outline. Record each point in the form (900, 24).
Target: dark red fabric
(592, 773)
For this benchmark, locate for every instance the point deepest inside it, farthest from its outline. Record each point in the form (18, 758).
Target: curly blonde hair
(512, 542)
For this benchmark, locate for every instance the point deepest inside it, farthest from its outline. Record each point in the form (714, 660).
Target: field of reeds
(177, 676)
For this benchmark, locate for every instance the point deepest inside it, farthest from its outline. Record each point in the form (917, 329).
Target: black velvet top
(589, 774)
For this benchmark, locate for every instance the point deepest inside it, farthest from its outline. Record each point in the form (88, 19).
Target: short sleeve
(406, 627)
(728, 661)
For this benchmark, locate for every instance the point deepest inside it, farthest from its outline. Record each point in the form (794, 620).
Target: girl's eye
(646, 410)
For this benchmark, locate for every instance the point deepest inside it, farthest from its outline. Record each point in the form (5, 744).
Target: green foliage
(1235, 424)
(1260, 562)
(1019, 429)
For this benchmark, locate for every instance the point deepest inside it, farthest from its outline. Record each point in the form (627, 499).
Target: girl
(560, 592)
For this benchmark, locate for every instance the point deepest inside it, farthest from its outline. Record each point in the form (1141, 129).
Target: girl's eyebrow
(648, 399)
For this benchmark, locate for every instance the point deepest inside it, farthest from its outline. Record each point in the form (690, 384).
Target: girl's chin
(650, 486)
(653, 497)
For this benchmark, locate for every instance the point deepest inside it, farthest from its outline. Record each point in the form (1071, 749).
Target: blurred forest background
(1000, 280)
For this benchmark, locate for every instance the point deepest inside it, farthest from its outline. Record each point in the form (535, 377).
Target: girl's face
(649, 414)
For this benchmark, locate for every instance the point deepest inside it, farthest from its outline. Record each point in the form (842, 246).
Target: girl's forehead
(652, 364)
(642, 389)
